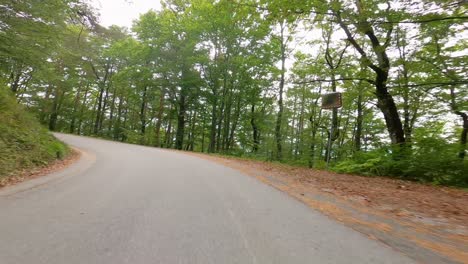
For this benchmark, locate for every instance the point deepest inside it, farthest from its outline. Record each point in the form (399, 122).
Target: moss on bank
(24, 143)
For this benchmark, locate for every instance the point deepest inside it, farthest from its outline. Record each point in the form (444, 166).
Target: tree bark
(359, 121)
(230, 143)
(279, 118)
(54, 115)
(255, 134)
(385, 101)
(74, 111)
(463, 136)
(157, 140)
(464, 116)
(102, 86)
(180, 123)
(143, 113)
(212, 146)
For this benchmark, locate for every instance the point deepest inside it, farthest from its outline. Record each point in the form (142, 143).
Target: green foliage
(205, 75)
(431, 161)
(24, 143)
(368, 164)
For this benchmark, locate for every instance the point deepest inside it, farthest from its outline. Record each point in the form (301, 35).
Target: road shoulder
(426, 233)
(77, 161)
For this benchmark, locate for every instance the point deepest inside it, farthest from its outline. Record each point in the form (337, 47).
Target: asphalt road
(131, 204)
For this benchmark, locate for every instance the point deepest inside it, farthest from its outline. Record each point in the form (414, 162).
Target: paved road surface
(131, 204)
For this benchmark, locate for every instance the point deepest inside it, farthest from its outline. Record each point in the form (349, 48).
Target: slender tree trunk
(300, 126)
(221, 115)
(312, 149)
(15, 78)
(118, 126)
(334, 112)
(463, 136)
(182, 105)
(104, 106)
(292, 134)
(99, 109)
(255, 133)
(342, 135)
(111, 113)
(203, 134)
(83, 105)
(279, 117)
(44, 114)
(227, 124)
(123, 137)
(359, 121)
(75, 109)
(464, 116)
(193, 121)
(180, 122)
(168, 136)
(157, 140)
(143, 113)
(102, 87)
(230, 143)
(54, 112)
(212, 146)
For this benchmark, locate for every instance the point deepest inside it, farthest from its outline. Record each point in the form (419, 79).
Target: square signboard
(331, 101)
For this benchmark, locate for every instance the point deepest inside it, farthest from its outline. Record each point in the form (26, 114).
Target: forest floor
(31, 173)
(405, 215)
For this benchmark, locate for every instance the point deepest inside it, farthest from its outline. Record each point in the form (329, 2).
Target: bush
(431, 160)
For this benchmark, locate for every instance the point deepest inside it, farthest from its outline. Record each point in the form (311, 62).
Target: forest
(245, 78)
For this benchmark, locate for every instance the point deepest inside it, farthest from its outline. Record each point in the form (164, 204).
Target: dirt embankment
(53, 166)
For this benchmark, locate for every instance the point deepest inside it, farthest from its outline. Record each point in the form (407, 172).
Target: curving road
(131, 204)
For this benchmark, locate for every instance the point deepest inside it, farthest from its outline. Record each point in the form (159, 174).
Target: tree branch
(340, 79)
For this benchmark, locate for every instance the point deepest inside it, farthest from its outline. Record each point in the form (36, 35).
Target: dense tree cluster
(244, 77)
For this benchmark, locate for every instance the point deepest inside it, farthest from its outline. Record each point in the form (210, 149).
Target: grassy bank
(24, 143)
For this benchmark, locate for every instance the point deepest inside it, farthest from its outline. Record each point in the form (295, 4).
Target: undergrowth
(24, 143)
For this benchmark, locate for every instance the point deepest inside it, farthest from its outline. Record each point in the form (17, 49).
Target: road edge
(82, 161)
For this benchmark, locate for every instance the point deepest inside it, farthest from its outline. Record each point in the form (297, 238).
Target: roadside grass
(24, 143)
(432, 170)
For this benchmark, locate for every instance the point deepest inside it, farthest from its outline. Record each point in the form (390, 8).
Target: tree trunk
(463, 135)
(118, 127)
(464, 116)
(15, 80)
(143, 114)
(54, 114)
(279, 118)
(75, 108)
(203, 134)
(230, 142)
(102, 86)
(104, 106)
(387, 105)
(255, 134)
(97, 121)
(221, 116)
(157, 129)
(385, 101)
(110, 126)
(359, 121)
(300, 131)
(181, 119)
(168, 134)
(83, 105)
(212, 146)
